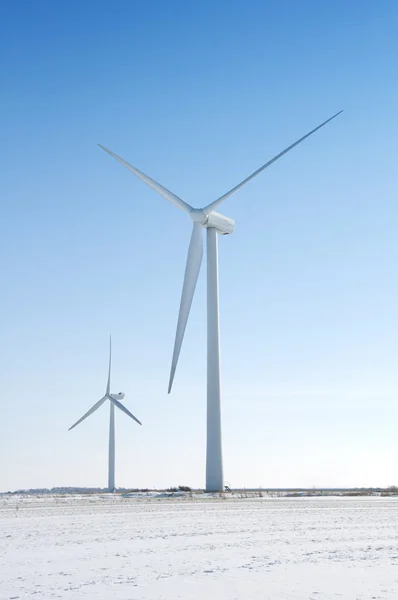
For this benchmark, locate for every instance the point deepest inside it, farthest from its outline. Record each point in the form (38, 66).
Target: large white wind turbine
(114, 401)
(215, 223)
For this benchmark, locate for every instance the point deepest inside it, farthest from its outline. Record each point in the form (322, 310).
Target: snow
(195, 547)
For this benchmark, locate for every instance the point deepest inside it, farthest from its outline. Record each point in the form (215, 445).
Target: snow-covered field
(103, 547)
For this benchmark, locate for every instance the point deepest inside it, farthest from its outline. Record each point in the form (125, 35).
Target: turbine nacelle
(118, 396)
(224, 225)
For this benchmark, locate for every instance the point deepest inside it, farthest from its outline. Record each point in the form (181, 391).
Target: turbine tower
(114, 400)
(215, 224)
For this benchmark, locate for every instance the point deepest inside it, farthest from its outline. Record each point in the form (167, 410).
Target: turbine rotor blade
(160, 189)
(213, 205)
(89, 412)
(123, 409)
(108, 385)
(192, 269)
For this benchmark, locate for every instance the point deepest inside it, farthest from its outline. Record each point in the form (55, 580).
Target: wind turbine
(214, 223)
(114, 401)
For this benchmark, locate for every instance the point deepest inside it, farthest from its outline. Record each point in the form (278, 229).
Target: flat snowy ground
(104, 547)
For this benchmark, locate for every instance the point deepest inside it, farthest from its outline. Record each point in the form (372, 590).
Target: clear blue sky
(198, 96)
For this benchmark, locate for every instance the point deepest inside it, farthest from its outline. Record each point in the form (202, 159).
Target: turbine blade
(89, 412)
(194, 261)
(108, 385)
(213, 205)
(160, 189)
(123, 408)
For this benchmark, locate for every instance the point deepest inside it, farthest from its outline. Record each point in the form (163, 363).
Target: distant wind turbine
(114, 401)
(215, 223)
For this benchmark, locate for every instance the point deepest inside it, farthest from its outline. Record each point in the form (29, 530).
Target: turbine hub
(223, 224)
(198, 216)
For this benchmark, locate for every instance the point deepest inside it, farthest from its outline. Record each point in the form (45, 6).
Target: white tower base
(214, 466)
(111, 472)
